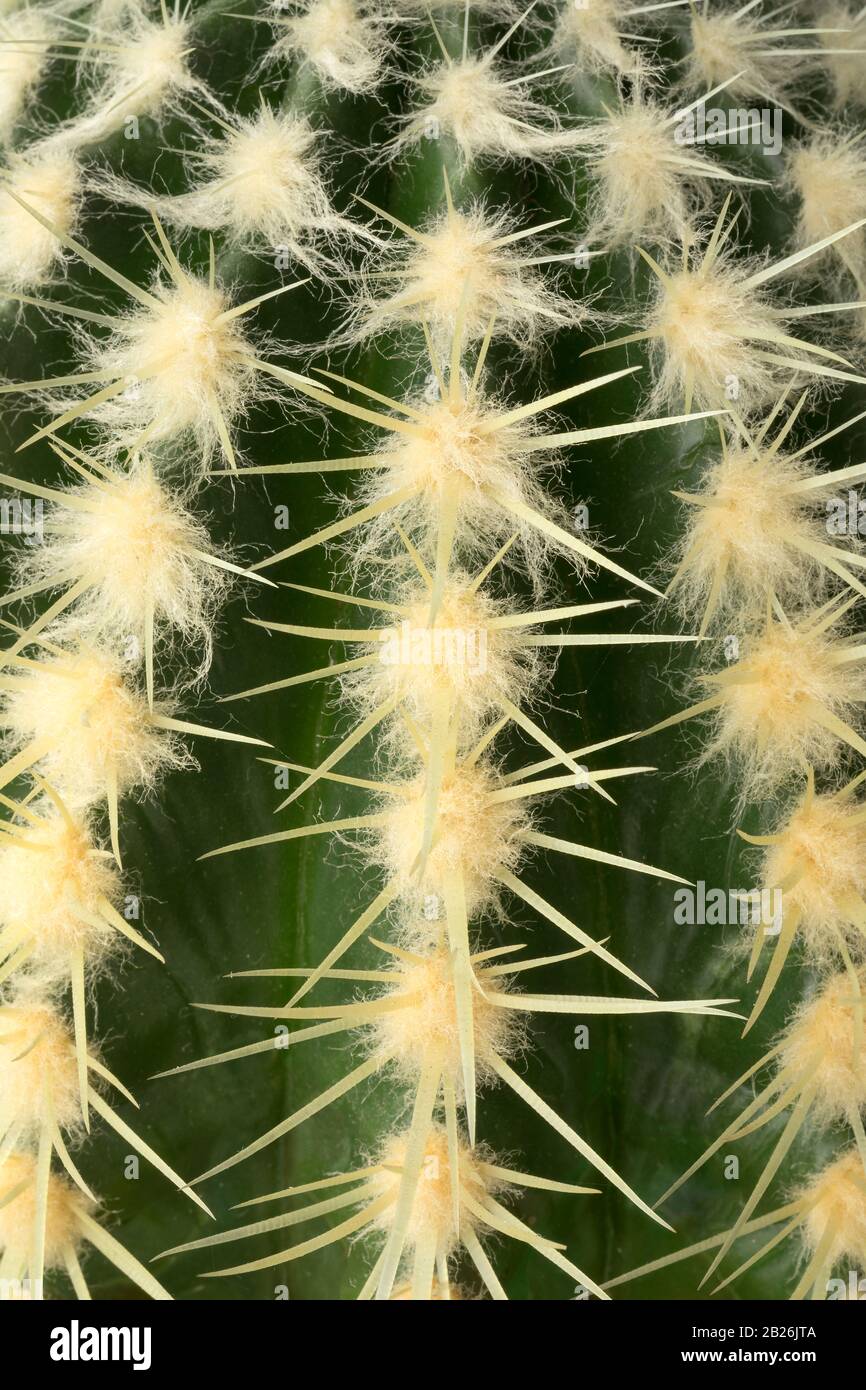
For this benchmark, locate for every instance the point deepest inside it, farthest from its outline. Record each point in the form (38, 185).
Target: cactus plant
(406, 413)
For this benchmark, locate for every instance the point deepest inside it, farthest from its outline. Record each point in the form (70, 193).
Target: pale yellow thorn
(79, 1017)
(144, 1149)
(297, 1252)
(340, 1088)
(121, 1258)
(322, 672)
(380, 904)
(337, 528)
(183, 726)
(533, 837)
(541, 1108)
(302, 831)
(416, 1145)
(786, 1139)
(360, 731)
(511, 417)
(457, 925)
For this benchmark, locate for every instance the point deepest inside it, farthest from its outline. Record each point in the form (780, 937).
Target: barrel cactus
(432, 688)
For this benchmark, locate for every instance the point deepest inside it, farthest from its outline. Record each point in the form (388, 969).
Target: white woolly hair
(835, 1199)
(25, 36)
(421, 9)
(474, 264)
(474, 835)
(409, 1036)
(459, 661)
(105, 14)
(65, 1206)
(55, 876)
(647, 183)
(591, 34)
(49, 178)
(138, 68)
(847, 69)
(37, 1062)
(828, 172)
(783, 704)
(715, 321)
(345, 42)
(747, 536)
(260, 181)
(433, 1218)
(474, 101)
(94, 726)
(821, 851)
(726, 42)
(453, 452)
(825, 1031)
(139, 552)
(188, 365)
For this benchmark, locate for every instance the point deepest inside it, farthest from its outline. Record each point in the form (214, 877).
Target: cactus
(345, 580)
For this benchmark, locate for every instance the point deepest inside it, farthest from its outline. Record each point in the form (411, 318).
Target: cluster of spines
(755, 564)
(90, 713)
(451, 494)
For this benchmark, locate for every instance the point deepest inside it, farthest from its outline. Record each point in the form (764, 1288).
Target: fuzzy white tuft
(345, 43)
(649, 181)
(716, 333)
(820, 854)
(141, 561)
(475, 102)
(461, 661)
(478, 837)
(25, 38)
(828, 172)
(835, 1203)
(767, 63)
(142, 71)
(474, 264)
(592, 33)
(88, 729)
(38, 1069)
(181, 359)
(56, 879)
(178, 362)
(455, 453)
(752, 532)
(65, 1206)
(434, 1221)
(49, 179)
(788, 703)
(847, 68)
(826, 1037)
(261, 181)
(429, 1023)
